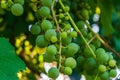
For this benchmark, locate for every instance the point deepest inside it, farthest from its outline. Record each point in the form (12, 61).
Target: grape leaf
(10, 63)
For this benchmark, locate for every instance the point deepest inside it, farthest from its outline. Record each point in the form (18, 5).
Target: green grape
(46, 25)
(96, 43)
(90, 63)
(92, 47)
(35, 29)
(67, 26)
(63, 34)
(67, 18)
(61, 15)
(19, 1)
(70, 62)
(104, 76)
(102, 57)
(72, 49)
(110, 55)
(84, 31)
(66, 9)
(49, 33)
(53, 39)
(112, 63)
(66, 40)
(102, 68)
(51, 50)
(85, 14)
(80, 60)
(99, 51)
(43, 11)
(89, 35)
(48, 58)
(47, 3)
(87, 52)
(73, 34)
(80, 24)
(53, 72)
(67, 70)
(113, 73)
(17, 9)
(4, 5)
(41, 41)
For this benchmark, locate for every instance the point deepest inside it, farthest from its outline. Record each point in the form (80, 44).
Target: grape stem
(102, 41)
(58, 29)
(54, 16)
(96, 76)
(76, 28)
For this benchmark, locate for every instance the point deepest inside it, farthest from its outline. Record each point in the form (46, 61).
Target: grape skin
(17, 9)
(19, 1)
(70, 62)
(43, 11)
(72, 49)
(68, 71)
(46, 25)
(35, 29)
(49, 33)
(47, 3)
(41, 41)
(53, 72)
(51, 50)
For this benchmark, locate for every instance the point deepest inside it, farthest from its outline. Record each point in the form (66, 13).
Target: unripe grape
(63, 35)
(19, 1)
(113, 73)
(70, 62)
(102, 68)
(46, 25)
(112, 63)
(51, 50)
(67, 26)
(104, 76)
(41, 41)
(73, 34)
(35, 29)
(53, 39)
(48, 58)
(72, 49)
(53, 72)
(85, 14)
(17, 9)
(47, 3)
(67, 70)
(49, 33)
(43, 11)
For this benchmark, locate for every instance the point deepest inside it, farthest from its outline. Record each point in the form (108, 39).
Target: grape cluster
(61, 29)
(15, 6)
(65, 46)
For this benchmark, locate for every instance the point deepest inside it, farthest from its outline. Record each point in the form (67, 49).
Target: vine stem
(76, 28)
(58, 29)
(96, 76)
(102, 41)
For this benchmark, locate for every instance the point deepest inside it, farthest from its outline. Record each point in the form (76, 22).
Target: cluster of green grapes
(15, 6)
(64, 45)
(60, 28)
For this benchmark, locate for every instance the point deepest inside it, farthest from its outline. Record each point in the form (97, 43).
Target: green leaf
(10, 63)
(106, 16)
